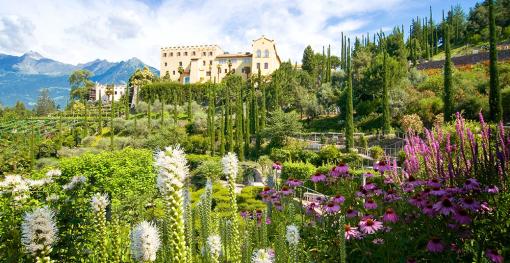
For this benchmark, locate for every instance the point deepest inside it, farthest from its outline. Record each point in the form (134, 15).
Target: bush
(329, 154)
(298, 170)
(166, 137)
(412, 122)
(376, 152)
(207, 169)
(280, 155)
(194, 160)
(505, 97)
(197, 144)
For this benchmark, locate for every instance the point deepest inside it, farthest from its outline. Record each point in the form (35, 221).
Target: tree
(349, 126)
(386, 98)
(308, 63)
(448, 78)
(80, 84)
(495, 106)
(280, 126)
(45, 104)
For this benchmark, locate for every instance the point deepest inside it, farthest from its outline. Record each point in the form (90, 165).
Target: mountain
(21, 77)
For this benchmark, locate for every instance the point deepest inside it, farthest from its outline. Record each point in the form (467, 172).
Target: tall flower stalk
(293, 241)
(205, 214)
(230, 169)
(145, 242)
(99, 202)
(39, 233)
(188, 223)
(214, 248)
(172, 174)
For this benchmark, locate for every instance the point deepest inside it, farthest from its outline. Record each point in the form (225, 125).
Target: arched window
(259, 54)
(266, 53)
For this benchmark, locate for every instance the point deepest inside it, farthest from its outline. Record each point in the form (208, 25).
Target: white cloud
(80, 31)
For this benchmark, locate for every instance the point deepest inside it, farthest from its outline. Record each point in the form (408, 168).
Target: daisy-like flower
(382, 166)
(492, 189)
(331, 208)
(369, 186)
(369, 225)
(286, 190)
(370, 204)
(429, 210)
(214, 245)
(434, 182)
(291, 182)
(244, 214)
(391, 196)
(390, 216)
(462, 217)
(444, 206)
(318, 177)
(350, 213)
(435, 245)
(351, 232)
(339, 199)
(145, 242)
(39, 231)
(230, 165)
(263, 256)
(75, 181)
(494, 256)
(340, 169)
(378, 241)
(292, 235)
(173, 169)
(470, 203)
(471, 184)
(277, 166)
(368, 175)
(99, 202)
(437, 191)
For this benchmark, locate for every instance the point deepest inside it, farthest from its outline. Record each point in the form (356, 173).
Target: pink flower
(434, 183)
(429, 210)
(461, 216)
(492, 189)
(370, 226)
(286, 190)
(350, 213)
(368, 175)
(435, 245)
(277, 166)
(417, 201)
(471, 184)
(378, 241)
(338, 199)
(470, 203)
(444, 206)
(437, 191)
(382, 166)
(340, 169)
(331, 208)
(494, 256)
(244, 214)
(351, 232)
(390, 216)
(294, 182)
(391, 196)
(370, 204)
(318, 177)
(369, 186)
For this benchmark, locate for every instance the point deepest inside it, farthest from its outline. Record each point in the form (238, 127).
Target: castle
(194, 64)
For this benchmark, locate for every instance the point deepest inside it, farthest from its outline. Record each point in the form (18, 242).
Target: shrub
(194, 160)
(298, 170)
(505, 97)
(280, 155)
(166, 137)
(376, 152)
(197, 144)
(412, 122)
(207, 169)
(329, 154)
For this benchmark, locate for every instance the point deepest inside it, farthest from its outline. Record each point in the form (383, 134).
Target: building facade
(100, 91)
(195, 64)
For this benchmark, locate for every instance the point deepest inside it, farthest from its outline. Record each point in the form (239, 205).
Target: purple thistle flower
(435, 245)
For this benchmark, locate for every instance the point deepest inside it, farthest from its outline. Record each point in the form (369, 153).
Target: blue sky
(83, 30)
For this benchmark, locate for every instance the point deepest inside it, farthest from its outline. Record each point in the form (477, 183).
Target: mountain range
(21, 77)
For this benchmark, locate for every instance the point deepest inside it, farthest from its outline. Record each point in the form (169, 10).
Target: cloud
(80, 31)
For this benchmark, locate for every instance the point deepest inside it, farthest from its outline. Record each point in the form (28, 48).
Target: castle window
(178, 54)
(173, 72)
(233, 70)
(208, 73)
(186, 53)
(266, 53)
(180, 63)
(210, 62)
(203, 54)
(164, 55)
(166, 64)
(210, 53)
(193, 53)
(266, 65)
(171, 54)
(258, 65)
(225, 71)
(203, 62)
(234, 60)
(259, 53)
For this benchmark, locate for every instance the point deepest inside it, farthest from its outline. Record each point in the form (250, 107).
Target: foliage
(297, 170)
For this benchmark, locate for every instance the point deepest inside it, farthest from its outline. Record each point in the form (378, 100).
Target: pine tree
(349, 126)
(308, 61)
(448, 81)
(495, 106)
(386, 100)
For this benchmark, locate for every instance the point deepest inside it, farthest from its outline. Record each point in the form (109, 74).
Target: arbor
(495, 106)
(45, 104)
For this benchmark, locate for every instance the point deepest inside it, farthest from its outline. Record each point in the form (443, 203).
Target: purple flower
(382, 166)
(437, 191)
(351, 232)
(471, 184)
(368, 175)
(435, 245)
(331, 208)
(470, 203)
(340, 169)
(391, 196)
(338, 199)
(370, 226)
(277, 166)
(434, 183)
(318, 177)
(492, 189)
(286, 190)
(494, 256)
(370, 204)
(429, 210)
(462, 217)
(390, 216)
(294, 182)
(244, 214)
(378, 241)
(350, 213)
(369, 186)
(310, 208)
(444, 206)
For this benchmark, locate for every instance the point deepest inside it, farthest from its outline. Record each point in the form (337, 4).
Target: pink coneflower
(391, 196)
(362, 192)
(368, 175)
(268, 221)
(494, 256)
(382, 166)
(350, 213)
(310, 208)
(294, 182)
(277, 166)
(278, 206)
(417, 201)
(370, 204)
(370, 226)
(244, 214)
(492, 189)
(471, 184)
(378, 241)
(331, 208)
(485, 207)
(435, 245)
(369, 186)
(470, 203)
(462, 217)
(452, 190)
(390, 216)
(340, 169)
(437, 191)
(318, 177)
(429, 210)
(351, 232)
(444, 206)
(339, 199)
(286, 190)
(434, 183)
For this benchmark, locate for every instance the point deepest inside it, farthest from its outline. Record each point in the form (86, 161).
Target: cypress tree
(495, 106)
(448, 71)
(239, 123)
(263, 112)
(112, 112)
(100, 119)
(386, 100)
(190, 113)
(228, 116)
(349, 126)
(211, 121)
(328, 65)
(162, 102)
(222, 131)
(127, 103)
(342, 56)
(246, 127)
(254, 114)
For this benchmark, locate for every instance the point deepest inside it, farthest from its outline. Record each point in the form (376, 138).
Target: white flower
(292, 235)
(214, 245)
(99, 202)
(229, 162)
(40, 182)
(54, 173)
(263, 256)
(75, 181)
(145, 242)
(173, 169)
(38, 231)
(16, 185)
